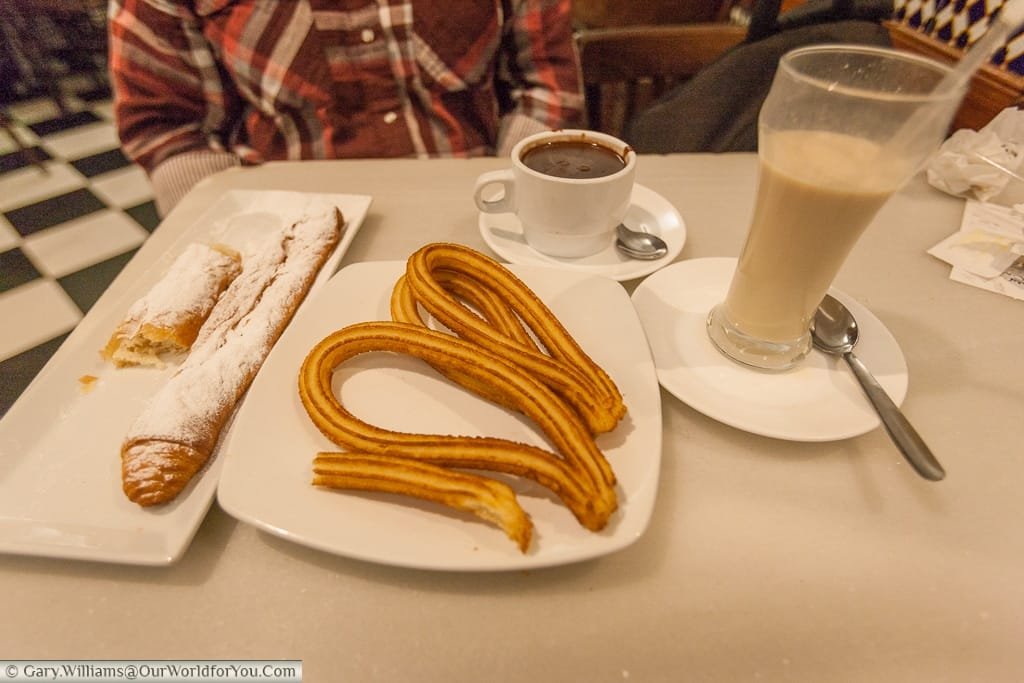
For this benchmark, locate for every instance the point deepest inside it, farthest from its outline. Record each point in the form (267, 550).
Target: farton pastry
(174, 436)
(167, 318)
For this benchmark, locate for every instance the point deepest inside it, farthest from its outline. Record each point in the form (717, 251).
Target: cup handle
(506, 203)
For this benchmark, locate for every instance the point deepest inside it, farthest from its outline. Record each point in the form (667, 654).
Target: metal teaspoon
(835, 332)
(639, 245)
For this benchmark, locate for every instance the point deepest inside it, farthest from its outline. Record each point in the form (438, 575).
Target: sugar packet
(980, 253)
(988, 250)
(1009, 283)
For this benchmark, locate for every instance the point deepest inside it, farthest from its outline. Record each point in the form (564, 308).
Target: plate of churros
(451, 413)
(112, 454)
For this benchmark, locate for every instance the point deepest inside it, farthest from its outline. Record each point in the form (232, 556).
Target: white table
(765, 560)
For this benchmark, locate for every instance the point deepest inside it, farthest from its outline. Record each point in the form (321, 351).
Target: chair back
(625, 69)
(628, 64)
(41, 41)
(618, 13)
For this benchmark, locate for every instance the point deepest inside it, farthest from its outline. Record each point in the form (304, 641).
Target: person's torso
(357, 78)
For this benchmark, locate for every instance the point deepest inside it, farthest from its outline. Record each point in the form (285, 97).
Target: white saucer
(819, 400)
(504, 235)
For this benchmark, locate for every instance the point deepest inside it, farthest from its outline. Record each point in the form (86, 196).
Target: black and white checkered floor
(66, 231)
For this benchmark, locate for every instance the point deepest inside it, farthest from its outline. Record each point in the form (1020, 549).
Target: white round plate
(648, 210)
(820, 400)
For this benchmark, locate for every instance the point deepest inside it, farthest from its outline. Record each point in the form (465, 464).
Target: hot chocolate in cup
(568, 188)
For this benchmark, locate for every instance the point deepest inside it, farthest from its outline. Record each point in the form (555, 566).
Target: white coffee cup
(567, 217)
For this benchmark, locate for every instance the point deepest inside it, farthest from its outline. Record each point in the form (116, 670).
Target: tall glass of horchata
(843, 128)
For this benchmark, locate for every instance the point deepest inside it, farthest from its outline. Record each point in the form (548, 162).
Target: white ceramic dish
(60, 473)
(819, 400)
(268, 464)
(504, 235)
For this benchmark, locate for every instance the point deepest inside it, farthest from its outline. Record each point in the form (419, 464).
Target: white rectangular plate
(60, 465)
(268, 460)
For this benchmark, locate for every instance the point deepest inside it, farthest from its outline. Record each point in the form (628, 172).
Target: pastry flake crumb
(88, 382)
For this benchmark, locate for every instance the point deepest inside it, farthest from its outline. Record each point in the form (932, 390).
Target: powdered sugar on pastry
(168, 317)
(177, 430)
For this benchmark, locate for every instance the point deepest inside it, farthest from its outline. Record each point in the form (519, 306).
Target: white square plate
(268, 460)
(60, 465)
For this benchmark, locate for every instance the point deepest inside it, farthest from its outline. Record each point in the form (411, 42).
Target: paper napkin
(988, 250)
(986, 164)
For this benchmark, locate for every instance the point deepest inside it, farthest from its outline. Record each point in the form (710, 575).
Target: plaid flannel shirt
(315, 79)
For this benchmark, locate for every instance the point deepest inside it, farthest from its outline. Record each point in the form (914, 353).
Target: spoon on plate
(834, 331)
(638, 244)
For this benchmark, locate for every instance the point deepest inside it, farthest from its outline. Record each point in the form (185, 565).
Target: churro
(565, 367)
(491, 500)
(501, 343)
(581, 478)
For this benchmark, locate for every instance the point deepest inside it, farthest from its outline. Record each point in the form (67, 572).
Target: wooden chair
(27, 153)
(47, 33)
(629, 57)
(625, 69)
(620, 13)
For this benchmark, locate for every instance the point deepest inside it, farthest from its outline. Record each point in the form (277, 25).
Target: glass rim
(787, 63)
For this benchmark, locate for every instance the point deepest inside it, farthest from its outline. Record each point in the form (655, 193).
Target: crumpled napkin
(967, 163)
